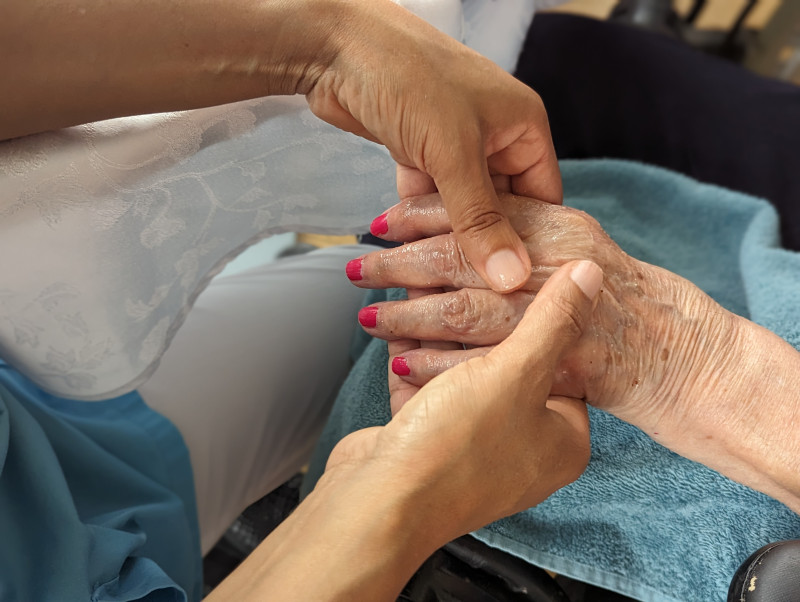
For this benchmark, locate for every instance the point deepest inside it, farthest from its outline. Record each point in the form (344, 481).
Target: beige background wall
(718, 14)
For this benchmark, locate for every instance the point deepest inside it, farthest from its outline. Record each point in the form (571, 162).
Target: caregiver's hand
(450, 119)
(659, 353)
(449, 116)
(478, 443)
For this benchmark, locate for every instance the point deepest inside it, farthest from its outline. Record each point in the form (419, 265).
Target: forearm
(70, 62)
(728, 394)
(356, 538)
(750, 430)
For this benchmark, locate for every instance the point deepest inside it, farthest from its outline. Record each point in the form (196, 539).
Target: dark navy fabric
(612, 90)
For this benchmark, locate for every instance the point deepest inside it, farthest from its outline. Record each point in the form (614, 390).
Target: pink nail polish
(379, 225)
(353, 269)
(400, 366)
(368, 317)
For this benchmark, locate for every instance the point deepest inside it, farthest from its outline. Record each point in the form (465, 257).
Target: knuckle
(451, 262)
(477, 220)
(568, 316)
(587, 233)
(584, 220)
(460, 314)
(580, 221)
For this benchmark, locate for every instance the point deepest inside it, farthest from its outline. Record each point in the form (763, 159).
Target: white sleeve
(497, 28)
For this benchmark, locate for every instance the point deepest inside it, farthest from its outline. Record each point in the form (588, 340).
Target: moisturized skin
(457, 456)
(659, 353)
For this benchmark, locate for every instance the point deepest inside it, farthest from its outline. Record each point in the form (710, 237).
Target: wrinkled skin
(654, 343)
(457, 456)
(464, 438)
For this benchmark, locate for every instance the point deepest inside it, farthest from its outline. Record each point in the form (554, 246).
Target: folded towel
(642, 520)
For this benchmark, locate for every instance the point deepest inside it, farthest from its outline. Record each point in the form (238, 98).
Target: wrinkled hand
(451, 119)
(485, 440)
(653, 346)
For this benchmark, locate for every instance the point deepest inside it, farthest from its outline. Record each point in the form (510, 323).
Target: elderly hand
(485, 439)
(659, 353)
(648, 328)
(450, 118)
(476, 444)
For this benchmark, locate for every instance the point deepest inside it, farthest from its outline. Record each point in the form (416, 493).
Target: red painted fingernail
(400, 366)
(379, 225)
(353, 269)
(368, 317)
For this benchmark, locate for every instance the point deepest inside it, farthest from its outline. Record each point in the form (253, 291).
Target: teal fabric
(96, 500)
(641, 521)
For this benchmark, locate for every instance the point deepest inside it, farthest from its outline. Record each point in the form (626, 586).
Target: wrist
(309, 38)
(127, 58)
(357, 536)
(274, 48)
(752, 409)
(727, 391)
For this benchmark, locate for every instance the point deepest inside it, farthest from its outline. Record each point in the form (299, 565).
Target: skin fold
(453, 121)
(658, 353)
(457, 456)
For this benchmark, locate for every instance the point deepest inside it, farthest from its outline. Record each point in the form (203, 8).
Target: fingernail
(505, 270)
(368, 317)
(400, 366)
(353, 269)
(588, 276)
(379, 225)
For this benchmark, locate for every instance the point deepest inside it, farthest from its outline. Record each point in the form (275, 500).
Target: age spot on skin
(635, 382)
(664, 355)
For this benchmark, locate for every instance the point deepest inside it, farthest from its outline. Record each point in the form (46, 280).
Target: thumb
(553, 322)
(481, 227)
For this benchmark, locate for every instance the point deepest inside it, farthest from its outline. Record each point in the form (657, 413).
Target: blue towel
(642, 520)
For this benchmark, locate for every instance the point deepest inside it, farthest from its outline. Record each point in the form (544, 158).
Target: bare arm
(457, 456)
(357, 536)
(365, 66)
(67, 62)
(660, 354)
(741, 414)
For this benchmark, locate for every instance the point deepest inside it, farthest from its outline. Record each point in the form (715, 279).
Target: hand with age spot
(466, 435)
(659, 353)
(478, 443)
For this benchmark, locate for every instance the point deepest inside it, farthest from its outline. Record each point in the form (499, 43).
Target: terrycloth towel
(641, 520)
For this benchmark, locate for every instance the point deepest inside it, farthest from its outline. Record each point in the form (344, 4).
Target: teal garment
(641, 520)
(96, 500)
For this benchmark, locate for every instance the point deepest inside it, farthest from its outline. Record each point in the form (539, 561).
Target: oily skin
(645, 323)
(658, 353)
(457, 456)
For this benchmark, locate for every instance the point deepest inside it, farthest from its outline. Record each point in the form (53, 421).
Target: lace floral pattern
(112, 229)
